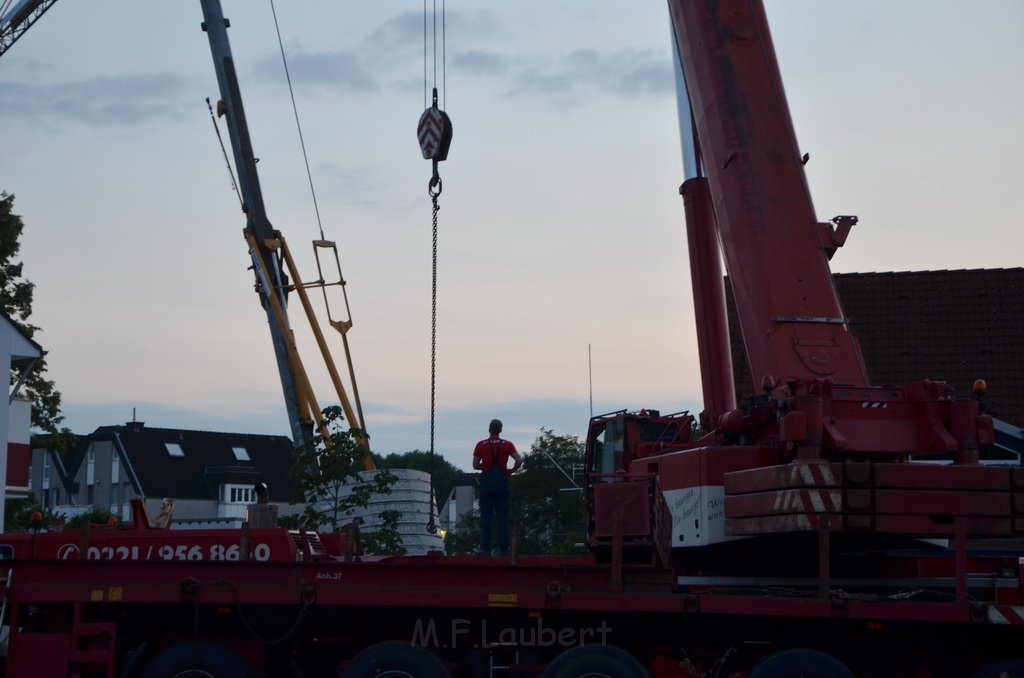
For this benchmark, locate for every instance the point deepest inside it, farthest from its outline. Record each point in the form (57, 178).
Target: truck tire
(801, 662)
(197, 660)
(395, 659)
(595, 661)
(1011, 668)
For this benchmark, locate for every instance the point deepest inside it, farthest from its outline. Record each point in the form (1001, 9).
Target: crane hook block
(435, 133)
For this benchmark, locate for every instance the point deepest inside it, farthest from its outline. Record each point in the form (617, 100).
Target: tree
(329, 481)
(18, 515)
(94, 516)
(547, 504)
(16, 303)
(464, 538)
(546, 507)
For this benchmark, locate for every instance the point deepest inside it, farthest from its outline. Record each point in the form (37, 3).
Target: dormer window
(237, 494)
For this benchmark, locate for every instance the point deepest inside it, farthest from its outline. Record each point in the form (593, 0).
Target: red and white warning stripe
(1006, 614)
(808, 500)
(817, 474)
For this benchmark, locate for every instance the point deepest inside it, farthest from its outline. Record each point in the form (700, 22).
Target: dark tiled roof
(62, 462)
(208, 460)
(952, 326)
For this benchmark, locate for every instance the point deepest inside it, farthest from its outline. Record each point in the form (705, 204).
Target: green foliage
(15, 293)
(546, 508)
(385, 539)
(16, 303)
(327, 478)
(465, 538)
(94, 516)
(18, 515)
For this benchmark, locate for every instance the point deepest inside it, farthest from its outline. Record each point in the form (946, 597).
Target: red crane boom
(776, 252)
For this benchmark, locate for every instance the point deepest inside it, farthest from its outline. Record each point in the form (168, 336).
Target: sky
(563, 283)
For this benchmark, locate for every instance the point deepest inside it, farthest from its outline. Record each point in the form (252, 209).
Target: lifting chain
(435, 190)
(435, 136)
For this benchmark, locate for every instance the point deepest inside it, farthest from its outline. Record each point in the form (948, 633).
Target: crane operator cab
(616, 439)
(626, 511)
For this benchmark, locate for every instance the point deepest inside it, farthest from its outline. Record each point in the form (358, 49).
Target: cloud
(390, 54)
(398, 33)
(86, 417)
(345, 70)
(101, 101)
(406, 31)
(575, 76)
(477, 62)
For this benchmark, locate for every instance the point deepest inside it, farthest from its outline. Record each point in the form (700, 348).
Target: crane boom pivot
(19, 19)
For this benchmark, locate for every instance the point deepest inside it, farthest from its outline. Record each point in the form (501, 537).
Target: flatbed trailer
(154, 603)
(798, 535)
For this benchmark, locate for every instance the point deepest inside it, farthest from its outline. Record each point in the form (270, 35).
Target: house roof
(187, 464)
(953, 326)
(22, 345)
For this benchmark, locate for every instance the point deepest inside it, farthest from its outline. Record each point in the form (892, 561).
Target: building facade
(208, 476)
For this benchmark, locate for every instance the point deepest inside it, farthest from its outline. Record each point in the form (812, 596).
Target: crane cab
(626, 510)
(616, 439)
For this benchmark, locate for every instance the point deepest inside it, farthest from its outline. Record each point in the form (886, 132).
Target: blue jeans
(493, 504)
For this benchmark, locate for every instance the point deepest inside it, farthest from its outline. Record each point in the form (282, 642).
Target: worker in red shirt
(490, 457)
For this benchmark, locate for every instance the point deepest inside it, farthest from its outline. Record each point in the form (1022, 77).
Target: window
(241, 454)
(116, 491)
(237, 494)
(174, 449)
(90, 491)
(115, 469)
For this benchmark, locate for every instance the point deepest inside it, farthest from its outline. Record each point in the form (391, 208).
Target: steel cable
(435, 191)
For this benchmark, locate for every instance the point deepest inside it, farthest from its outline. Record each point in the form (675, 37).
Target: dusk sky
(560, 224)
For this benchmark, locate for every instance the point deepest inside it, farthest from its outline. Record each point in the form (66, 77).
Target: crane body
(272, 262)
(257, 223)
(813, 442)
(19, 18)
(821, 526)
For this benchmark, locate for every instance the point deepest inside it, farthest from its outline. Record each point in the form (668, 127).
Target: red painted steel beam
(713, 344)
(439, 586)
(793, 323)
(910, 476)
(941, 503)
(910, 525)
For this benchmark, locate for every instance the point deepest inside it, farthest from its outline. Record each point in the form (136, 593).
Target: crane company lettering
(194, 552)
